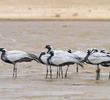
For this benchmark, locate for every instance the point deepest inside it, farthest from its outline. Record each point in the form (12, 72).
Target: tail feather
(34, 57)
(81, 65)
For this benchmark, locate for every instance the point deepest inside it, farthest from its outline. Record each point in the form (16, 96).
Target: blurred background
(55, 9)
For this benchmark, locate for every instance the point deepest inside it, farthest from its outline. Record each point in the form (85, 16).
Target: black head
(104, 51)
(69, 50)
(95, 50)
(2, 49)
(48, 46)
(92, 50)
(89, 52)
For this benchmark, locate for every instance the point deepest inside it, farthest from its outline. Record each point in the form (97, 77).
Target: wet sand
(32, 36)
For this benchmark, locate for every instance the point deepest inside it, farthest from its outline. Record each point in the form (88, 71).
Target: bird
(43, 59)
(16, 56)
(80, 54)
(95, 57)
(62, 59)
(49, 49)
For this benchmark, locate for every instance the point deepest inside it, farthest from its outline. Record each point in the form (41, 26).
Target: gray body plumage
(16, 56)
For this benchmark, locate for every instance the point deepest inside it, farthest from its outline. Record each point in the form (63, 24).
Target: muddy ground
(32, 36)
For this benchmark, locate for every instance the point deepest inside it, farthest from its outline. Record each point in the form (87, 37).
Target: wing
(74, 58)
(58, 59)
(60, 52)
(61, 58)
(98, 57)
(44, 58)
(80, 54)
(16, 55)
(16, 52)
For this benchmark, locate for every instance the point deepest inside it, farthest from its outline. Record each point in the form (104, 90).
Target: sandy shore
(55, 9)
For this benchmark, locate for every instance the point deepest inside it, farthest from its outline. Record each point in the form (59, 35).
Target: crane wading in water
(15, 56)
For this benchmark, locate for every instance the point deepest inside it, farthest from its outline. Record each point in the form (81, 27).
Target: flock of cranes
(59, 59)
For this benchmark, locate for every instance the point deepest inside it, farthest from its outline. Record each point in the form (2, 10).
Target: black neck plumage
(49, 49)
(3, 57)
(86, 58)
(48, 59)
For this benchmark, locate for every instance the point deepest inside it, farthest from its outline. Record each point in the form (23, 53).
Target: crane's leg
(98, 73)
(109, 76)
(57, 71)
(77, 70)
(47, 72)
(61, 72)
(66, 71)
(14, 71)
(50, 72)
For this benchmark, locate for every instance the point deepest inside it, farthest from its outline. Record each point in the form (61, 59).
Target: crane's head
(69, 50)
(48, 46)
(104, 51)
(89, 51)
(2, 49)
(92, 50)
(95, 50)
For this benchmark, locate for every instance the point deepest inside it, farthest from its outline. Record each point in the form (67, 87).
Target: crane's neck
(49, 49)
(48, 59)
(86, 58)
(40, 60)
(3, 55)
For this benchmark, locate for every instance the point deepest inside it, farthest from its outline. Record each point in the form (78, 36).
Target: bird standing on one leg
(16, 56)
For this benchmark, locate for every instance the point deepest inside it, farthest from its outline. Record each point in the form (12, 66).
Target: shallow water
(32, 36)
